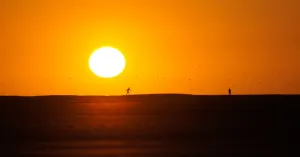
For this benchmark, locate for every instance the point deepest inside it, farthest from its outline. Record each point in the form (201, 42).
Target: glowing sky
(251, 46)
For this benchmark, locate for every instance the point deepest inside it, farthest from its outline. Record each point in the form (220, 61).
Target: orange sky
(251, 46)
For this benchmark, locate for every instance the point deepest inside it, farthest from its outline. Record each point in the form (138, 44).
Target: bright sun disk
(107, 62)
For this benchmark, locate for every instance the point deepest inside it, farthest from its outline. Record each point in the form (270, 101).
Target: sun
(107, 62)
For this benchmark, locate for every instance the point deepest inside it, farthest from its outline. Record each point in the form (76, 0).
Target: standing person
(229, 91)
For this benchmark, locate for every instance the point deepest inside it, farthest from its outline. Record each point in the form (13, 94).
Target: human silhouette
(229, 91)
(128, 91)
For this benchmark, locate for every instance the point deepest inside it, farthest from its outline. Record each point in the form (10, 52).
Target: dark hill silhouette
(199, 125)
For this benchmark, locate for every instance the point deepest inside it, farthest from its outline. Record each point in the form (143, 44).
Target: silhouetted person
(229, 91)
(128, 91)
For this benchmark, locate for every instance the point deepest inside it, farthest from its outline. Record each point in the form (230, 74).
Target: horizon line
(94, 95)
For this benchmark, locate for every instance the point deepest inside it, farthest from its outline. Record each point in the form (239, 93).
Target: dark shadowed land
(150, 125)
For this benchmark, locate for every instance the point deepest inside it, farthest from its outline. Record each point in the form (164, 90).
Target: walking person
(128, 91)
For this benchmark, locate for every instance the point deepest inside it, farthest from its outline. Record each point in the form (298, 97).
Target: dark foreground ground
(150, 126)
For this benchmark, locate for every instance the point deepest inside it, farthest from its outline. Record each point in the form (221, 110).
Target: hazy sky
(252, 46)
